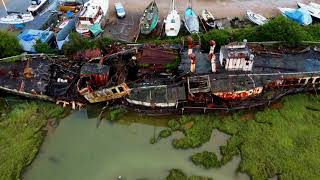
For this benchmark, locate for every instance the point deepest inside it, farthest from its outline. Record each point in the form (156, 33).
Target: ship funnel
(212, 56)
(192, 58)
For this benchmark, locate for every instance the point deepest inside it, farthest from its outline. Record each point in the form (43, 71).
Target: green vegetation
(278, 29)
(115, 113)
(206, 159)
(283, 142)
(177, 174)
(174, 65)
(9, 45)
(165, 133)
(42, 47)
(197, 131)
(174, 125)
(79, 43)
(21, 135)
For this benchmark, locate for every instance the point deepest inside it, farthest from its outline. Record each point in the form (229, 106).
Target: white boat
(37, 6)
(314, 12)
(315, 5)
(172, 22)
(92, 13)
(300, 15)
(16, 18)
(256, 18)
(208, 18)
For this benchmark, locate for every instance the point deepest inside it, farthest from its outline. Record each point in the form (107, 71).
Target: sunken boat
(233, 79)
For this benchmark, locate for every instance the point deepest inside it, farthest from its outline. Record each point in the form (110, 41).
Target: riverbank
(22, 133)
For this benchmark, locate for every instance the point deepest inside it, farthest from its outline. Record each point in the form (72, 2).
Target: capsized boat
(256, 18)
(314, 12)
(300, 15)
(16, 18)
(149, 19)
(208, 18)
(37, 6)
(191, 20)
(91, 15)
(173, 22)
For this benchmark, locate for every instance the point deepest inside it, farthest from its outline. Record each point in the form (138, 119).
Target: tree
(42, 47)
(9, 45)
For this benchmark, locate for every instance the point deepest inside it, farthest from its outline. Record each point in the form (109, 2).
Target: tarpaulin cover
(96, 29)
(300, 16)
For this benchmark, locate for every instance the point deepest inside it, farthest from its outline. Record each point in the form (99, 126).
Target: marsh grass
(282, 142)
(21, 135)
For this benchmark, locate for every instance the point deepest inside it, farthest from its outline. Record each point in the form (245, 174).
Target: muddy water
(79, 150)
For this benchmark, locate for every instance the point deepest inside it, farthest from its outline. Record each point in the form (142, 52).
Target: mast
(5, 7)
(173, 7)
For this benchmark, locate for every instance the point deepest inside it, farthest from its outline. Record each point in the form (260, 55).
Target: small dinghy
(191, 19)
(173, 22)
(300, 16)
(256, 18)
(149, 18)
(314, 12)
(16, 18)
(208, 18)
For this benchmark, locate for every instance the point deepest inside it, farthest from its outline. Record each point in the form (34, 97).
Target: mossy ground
(21, 134)
(283, 142)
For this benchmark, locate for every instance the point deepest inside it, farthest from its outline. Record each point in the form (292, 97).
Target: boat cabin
(95, 75)
(90, 15)
(236, 57)
(35, 2)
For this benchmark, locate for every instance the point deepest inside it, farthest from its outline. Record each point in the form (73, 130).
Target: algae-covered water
(79, 150)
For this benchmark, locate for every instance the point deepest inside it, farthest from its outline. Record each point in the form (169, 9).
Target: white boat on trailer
(314, 12)
(37, 6)
(315, 5)
(15, 17)
(92, 13)
(172, 22)
(256, 18)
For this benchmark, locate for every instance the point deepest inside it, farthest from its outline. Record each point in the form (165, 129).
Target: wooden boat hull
(150, 18)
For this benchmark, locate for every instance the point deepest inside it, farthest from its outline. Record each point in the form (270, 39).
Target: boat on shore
(149, 19)
(208, 18)
(16, 18)
(37, 6)
(91, 17)
(314, 12)
(70, 5)
(300, 15)
(172, 22)
(191, 20)
(256, 18)
(315, 5)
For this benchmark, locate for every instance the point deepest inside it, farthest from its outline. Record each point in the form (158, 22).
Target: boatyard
(154, 89)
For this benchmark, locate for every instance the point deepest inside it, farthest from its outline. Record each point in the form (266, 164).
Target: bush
(116, 113)
(206, 159)
(78, 43)
(174, 125)
(42, 47)
(176, 174)
(221, 37)
(165, 133)
(9, 45)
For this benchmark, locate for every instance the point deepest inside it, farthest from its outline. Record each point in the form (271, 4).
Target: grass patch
(205, 159)
(177, 174)
(21, 135)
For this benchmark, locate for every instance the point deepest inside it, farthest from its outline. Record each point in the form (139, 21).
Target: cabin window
(302, 81)
(310, 81)
(120, 89)
(247, 63)
(114, 91)
(173, 21)
(317, 80)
